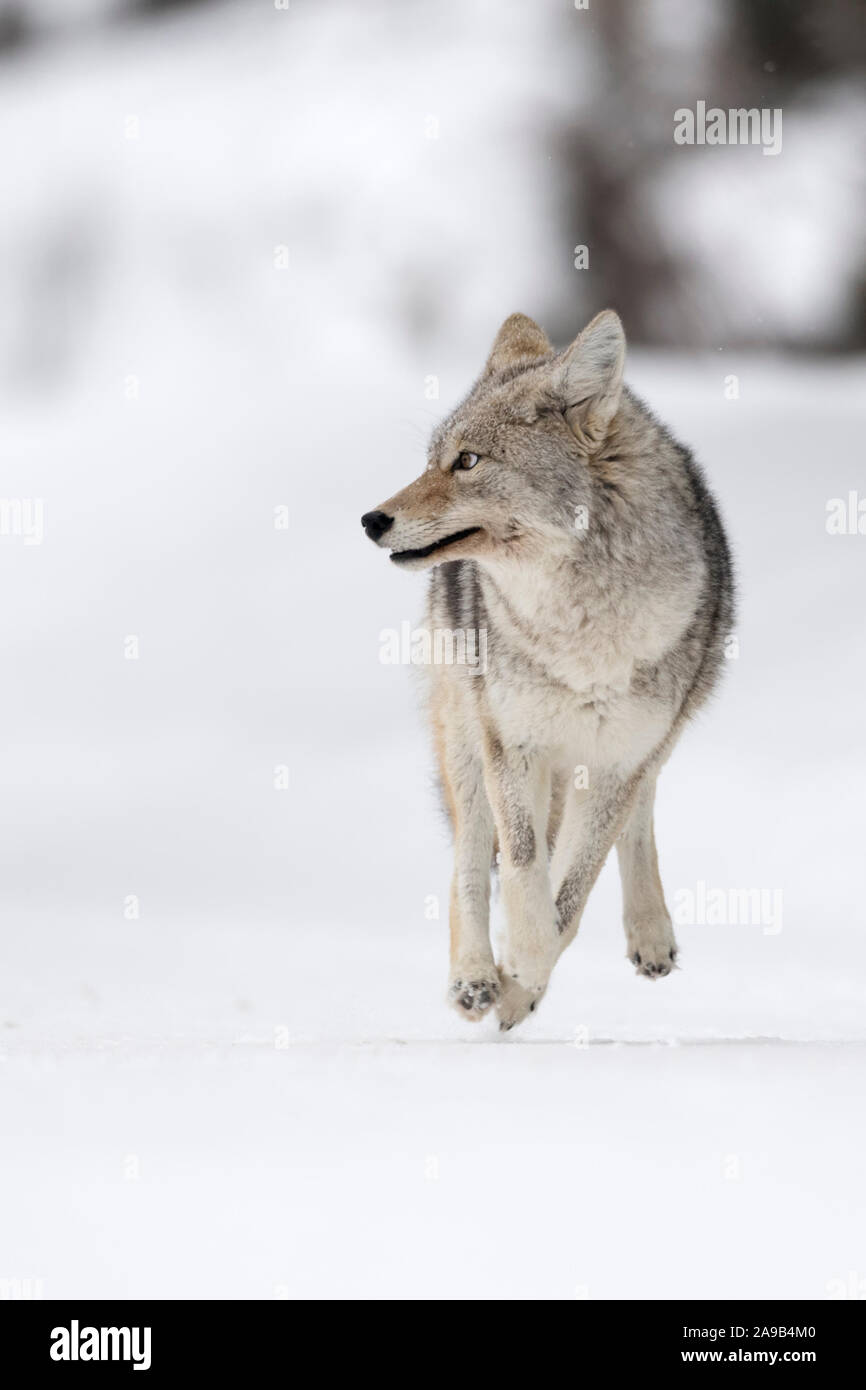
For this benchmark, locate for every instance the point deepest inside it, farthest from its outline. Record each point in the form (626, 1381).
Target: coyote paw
(652, 948)
(473, 992)
(528, 969)
(514, 1003)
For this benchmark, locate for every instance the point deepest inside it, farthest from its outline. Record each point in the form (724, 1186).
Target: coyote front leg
(518, 785)
(473, 982)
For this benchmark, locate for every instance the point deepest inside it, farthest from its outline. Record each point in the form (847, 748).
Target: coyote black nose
(376, 524)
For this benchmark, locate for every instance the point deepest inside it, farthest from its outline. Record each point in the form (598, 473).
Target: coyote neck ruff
(560, 519)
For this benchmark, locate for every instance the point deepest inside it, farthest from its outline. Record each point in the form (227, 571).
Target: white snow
(266, 1049)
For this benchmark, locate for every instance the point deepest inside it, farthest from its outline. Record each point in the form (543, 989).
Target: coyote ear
(519, 341)
(590, 381)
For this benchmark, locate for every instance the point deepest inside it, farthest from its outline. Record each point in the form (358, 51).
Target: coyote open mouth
(398, 555)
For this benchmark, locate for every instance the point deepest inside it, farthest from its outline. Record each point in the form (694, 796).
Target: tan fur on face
(428, 496)
(435, 506)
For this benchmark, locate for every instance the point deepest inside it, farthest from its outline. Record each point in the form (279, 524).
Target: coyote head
(510, 467)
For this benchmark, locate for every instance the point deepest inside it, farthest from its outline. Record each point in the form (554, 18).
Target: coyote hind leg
(649, 934)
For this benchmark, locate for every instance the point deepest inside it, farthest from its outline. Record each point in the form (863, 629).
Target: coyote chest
(565, 679)
(601, 723)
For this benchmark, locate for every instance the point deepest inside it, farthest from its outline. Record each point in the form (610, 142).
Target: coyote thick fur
(578, 543)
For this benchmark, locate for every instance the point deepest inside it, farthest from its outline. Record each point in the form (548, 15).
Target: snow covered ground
(254, 1088)
(226, 1065)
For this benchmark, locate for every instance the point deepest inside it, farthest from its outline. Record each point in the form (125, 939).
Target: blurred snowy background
(248, 255)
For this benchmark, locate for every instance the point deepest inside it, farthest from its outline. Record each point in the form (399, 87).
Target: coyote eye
(464, 462)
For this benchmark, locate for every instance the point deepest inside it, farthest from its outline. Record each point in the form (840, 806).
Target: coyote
(562, 520)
